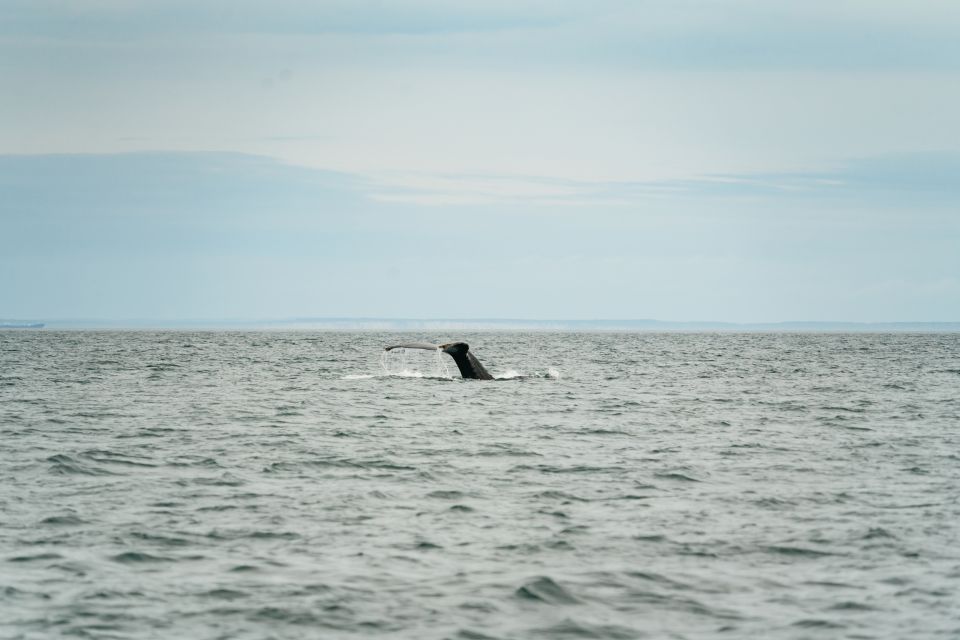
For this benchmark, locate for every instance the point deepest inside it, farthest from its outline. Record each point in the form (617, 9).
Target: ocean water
(280, 485)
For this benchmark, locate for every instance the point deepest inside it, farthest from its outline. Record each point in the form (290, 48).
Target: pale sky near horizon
(750, 160)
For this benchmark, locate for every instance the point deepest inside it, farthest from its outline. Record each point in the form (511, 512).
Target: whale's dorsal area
(469, 366)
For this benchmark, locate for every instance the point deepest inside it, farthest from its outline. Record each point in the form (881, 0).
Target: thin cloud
(661, 34)
(931, 175)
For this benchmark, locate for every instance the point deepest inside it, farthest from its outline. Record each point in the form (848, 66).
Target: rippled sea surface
(278, 485)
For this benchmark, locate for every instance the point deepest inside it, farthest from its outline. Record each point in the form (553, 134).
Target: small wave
(225, 594)
(630, 496)
(559, 545)
(797, 551)
(604, 432)
(877, 532)
(675, 475)
(162, 540)
(446, 494)
(774, 503)
(546, 468)
(426, 544)
(653, 537)
(288, 616)
(500, 449)
(572, 629)
(649, 576)
(196, 462)
(135, 557)
(811, 623)
(382, 463)
(847, 409)
(832, 585)
(274, 535)
(112, 457)
(470, 634)
(39, 556)
(462, 508)
(65, 465)
(63, 521)
(243, 534)
(544, 589)
(225, 480)
(358, 376)
(850, 605)
(369, 463)
(560, 495)
(576, 529)
(163, 366)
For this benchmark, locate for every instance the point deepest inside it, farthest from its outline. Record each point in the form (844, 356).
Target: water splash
(414, 363)
(513, 374)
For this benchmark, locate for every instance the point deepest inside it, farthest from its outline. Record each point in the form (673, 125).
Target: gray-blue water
(276, 485)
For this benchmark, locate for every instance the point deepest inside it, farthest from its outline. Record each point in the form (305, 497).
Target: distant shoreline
(486, 324)
(22, 325)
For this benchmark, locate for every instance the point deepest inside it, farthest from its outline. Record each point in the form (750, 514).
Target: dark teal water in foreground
(278, 485)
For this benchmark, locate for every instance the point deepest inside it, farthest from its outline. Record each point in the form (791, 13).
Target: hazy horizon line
(369, 323)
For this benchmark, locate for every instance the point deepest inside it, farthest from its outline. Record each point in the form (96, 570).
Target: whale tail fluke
(468, 364)
(413, 345)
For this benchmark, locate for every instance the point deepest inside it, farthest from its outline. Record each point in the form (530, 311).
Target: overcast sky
(748, 160)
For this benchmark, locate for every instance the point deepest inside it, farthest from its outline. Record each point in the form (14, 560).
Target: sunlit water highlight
(255, 485)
